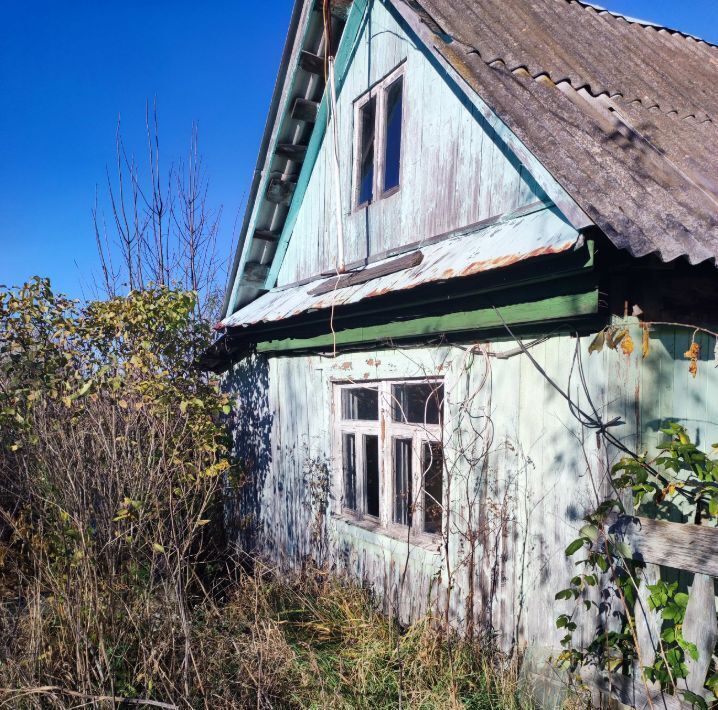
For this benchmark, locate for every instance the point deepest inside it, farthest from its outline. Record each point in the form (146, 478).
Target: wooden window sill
(426, 541)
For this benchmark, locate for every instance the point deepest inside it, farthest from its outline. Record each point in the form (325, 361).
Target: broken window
(390, 453)
(378, 127)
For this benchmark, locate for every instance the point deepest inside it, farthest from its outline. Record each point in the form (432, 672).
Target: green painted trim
(346, 50)
(554, 308)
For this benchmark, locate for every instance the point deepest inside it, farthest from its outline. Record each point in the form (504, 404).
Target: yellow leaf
(693, 353)
(627, 344)
(157, 547)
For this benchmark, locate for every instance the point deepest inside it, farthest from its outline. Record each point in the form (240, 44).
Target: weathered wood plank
(548, 309)
(700, 627)
(635, 692)
(678, 545)
(296, 152)
(311, 63)
(648, 621)
(280, 191)
(353, 279)
(305, 110)
(256, 272)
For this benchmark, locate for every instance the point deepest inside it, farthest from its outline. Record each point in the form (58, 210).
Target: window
(390, 457)
(378, 125)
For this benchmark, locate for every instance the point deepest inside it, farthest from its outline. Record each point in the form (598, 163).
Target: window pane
(367, 114)
(371, 474)
(420, 403)
(432, 464)
(349, 465)
(402, 481)
(392, 150)
(360, 403)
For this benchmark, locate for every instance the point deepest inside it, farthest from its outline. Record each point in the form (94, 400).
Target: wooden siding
(454, 171)
(515, 504)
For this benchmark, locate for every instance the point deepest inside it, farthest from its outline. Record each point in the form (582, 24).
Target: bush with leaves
(111, 450)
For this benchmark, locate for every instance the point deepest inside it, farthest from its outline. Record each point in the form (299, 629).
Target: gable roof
(622, 113)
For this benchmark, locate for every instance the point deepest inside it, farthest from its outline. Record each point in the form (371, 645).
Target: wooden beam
(311, 63)
(679, 545)
(255, 272)
(550, 309)
(280, 191)
(374, 272)
(338, 8)
(295, 153)
(266, 236)
(305, 110)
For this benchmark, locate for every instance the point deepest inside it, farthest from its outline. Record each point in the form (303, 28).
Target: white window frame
(387, 430)
(379, 92)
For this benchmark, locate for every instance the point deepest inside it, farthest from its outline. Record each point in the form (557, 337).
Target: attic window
(378, 129)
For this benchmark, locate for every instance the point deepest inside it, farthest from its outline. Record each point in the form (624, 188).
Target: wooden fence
(691, 548)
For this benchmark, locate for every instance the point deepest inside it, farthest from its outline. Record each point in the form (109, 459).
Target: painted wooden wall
(454, 172)
(522, 469)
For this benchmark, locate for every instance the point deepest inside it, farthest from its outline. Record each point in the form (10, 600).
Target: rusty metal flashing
(507, 242)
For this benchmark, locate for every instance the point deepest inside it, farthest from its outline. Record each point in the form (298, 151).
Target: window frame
(379, 92)
(387, 430)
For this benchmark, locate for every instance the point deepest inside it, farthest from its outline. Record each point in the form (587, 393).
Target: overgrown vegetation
(607, 589)
(114, 585)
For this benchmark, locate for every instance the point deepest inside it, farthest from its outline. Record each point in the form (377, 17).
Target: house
(451, 200)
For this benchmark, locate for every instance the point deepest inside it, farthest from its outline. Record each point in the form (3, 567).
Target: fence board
(648, 621)
(632, 691)
(678, 545)
(700, 627)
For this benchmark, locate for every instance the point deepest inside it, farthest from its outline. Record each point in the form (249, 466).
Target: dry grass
(312, 643)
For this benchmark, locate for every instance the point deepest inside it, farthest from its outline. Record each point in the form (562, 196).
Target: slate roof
(623, 113)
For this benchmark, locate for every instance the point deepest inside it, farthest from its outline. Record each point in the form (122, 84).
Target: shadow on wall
(251, 426)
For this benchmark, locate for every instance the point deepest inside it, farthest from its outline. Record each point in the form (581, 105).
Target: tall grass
(265, 643)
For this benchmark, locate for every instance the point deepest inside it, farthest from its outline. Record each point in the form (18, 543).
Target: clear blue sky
(67, 69)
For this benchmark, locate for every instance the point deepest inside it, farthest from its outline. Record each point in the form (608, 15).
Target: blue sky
(67, 69)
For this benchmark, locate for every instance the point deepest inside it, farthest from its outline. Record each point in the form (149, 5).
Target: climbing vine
(607, 588)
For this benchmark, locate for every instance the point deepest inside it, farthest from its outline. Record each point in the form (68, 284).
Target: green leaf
(157, 547)
(226, 409)
(681, 599)
(576, 545)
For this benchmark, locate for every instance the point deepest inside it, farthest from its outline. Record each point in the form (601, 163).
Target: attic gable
(454, 170)
(264, 249)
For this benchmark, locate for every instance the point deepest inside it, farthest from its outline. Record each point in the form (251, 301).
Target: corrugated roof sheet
(506, 242)
(622, 113)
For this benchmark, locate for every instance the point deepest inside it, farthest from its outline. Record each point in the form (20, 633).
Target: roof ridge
(642, 23)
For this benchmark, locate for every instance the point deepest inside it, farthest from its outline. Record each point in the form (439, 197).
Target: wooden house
(451, 199)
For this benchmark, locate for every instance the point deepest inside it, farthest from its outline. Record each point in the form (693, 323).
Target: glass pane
(349, 465)
(367, 114)
(360, 403)
(419, 403)
(371, 473)
(432, 464)
(402, 481)
(392, 150)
